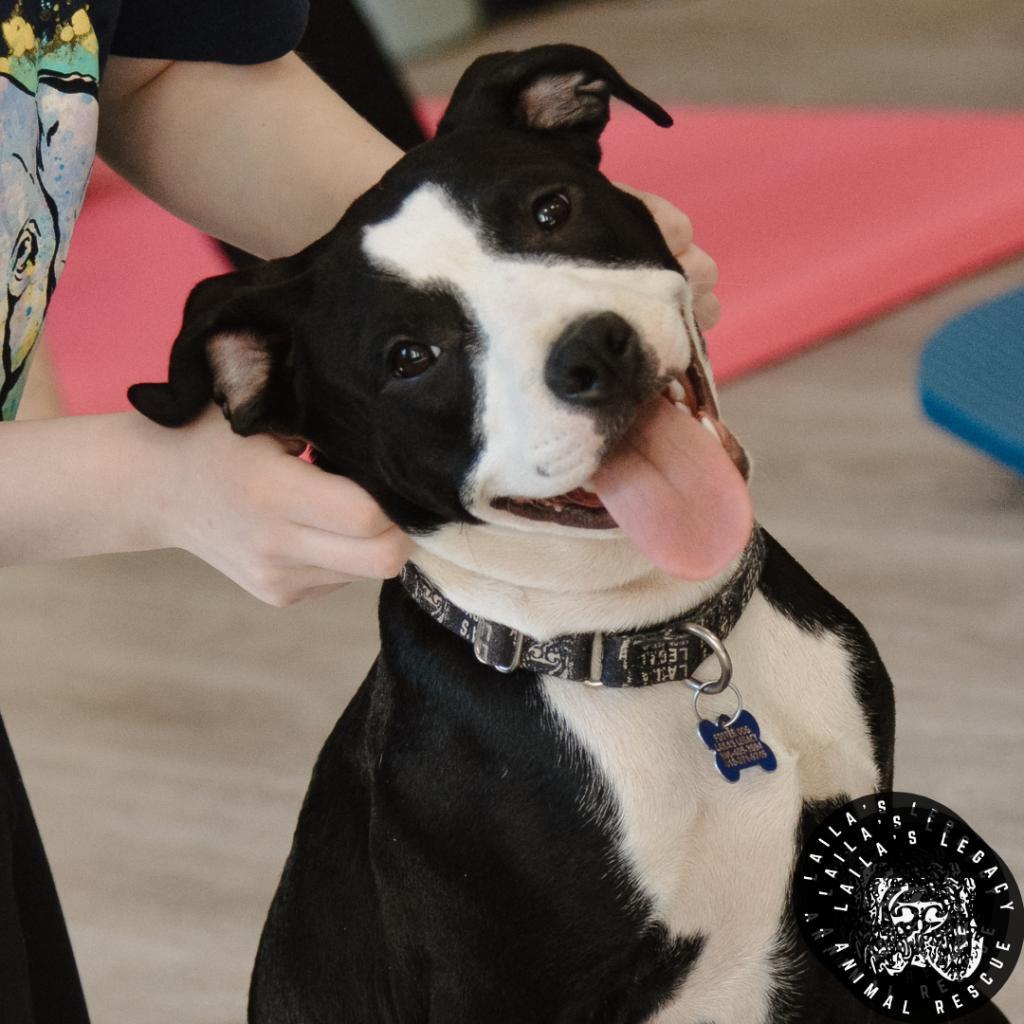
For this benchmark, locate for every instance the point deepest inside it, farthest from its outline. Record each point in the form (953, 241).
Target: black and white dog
(508, 823)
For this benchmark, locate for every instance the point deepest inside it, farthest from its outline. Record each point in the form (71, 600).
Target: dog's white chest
(713, 857)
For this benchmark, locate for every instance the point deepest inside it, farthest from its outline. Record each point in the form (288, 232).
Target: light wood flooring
(166, 722)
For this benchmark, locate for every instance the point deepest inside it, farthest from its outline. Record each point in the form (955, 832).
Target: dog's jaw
(545, 585)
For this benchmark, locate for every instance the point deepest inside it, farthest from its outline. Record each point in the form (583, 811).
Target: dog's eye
(552, 211)
(410, 358)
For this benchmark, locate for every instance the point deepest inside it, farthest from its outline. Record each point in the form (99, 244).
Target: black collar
(657, 655)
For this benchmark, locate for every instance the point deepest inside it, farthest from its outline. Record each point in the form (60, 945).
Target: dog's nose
(596, 362)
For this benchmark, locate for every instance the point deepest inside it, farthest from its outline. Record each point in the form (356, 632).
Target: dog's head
(488, 335)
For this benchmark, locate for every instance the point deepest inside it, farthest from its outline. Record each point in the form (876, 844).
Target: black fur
(492, 93)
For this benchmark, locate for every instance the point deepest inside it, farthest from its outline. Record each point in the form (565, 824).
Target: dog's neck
(545, 585)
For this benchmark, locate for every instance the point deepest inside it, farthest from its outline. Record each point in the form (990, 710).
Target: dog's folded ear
(235, 347)
(559, 88)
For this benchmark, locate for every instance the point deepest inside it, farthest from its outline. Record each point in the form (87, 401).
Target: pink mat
(819, 220)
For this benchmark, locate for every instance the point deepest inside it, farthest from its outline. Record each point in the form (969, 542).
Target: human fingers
(285, 566)
(308, 496)
(701, 270)
(378, 557)
(707, 310)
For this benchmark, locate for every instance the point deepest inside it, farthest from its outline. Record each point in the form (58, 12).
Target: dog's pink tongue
(675, 492)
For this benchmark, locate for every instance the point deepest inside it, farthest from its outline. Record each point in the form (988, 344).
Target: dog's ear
(235, 347)
(559, 88)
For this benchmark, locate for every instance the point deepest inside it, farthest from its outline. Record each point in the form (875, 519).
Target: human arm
(277, 526)
(266, 156)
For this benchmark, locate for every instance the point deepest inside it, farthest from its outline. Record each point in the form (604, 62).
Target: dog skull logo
(907, 906)
(925, 918)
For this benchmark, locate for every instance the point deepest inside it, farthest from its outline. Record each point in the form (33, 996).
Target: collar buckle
(497, 646)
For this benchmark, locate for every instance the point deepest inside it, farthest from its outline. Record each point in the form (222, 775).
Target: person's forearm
(266, 157)
(74, 487)
(277, 526)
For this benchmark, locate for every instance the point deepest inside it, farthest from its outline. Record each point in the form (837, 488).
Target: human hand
(701, 270)
(280, 528)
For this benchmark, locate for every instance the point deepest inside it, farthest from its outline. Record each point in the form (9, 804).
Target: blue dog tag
(737, 746)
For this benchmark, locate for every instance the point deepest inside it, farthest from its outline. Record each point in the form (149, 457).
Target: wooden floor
(166, 722)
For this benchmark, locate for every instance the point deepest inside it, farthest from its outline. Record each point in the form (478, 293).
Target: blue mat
(971, 378)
